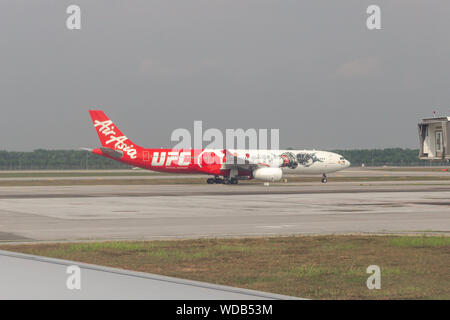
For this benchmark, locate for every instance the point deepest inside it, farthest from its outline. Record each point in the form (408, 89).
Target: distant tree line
(56, 160)
(74, 159)
(382, 157)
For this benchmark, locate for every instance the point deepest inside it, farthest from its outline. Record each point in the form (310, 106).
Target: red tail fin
(110, 136)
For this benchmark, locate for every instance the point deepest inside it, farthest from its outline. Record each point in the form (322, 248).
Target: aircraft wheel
(218, 181)
(234, 181)
(324, 180)
(210, 181)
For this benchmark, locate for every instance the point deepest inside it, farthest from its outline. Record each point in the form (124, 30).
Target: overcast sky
(310, 68)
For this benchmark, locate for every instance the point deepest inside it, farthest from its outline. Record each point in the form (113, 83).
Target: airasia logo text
(107, 129)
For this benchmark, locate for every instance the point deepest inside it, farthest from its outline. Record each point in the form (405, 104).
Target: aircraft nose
(347, 163)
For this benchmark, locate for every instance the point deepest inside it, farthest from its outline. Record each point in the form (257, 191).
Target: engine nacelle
(268, 174)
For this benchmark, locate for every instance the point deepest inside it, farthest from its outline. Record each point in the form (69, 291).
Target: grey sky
(310, 68)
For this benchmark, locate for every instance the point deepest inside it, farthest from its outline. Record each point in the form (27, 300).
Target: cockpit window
(342, 158)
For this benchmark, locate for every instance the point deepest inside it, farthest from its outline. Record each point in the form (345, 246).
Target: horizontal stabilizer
(112, 153)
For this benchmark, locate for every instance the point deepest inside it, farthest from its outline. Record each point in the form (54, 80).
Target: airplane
(228, 166)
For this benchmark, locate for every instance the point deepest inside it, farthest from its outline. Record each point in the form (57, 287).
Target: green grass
(119, 246)
(417, 242)
(411, 169)
(99, 181)
(74, 174)
(308, 271)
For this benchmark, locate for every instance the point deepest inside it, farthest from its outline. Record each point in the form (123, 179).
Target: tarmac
(77, 213)
(51, 175)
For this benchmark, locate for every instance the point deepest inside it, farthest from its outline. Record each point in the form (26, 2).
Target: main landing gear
(218, 180)
(324, 179)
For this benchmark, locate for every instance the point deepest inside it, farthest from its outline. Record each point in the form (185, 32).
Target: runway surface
(190, 211)
(25, 276)
(150, 175)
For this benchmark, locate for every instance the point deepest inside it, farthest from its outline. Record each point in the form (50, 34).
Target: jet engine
(268, 174)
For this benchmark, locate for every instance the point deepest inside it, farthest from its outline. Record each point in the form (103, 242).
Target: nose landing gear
(324, 179)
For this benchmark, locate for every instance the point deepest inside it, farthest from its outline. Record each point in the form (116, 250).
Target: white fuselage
(301, 161)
